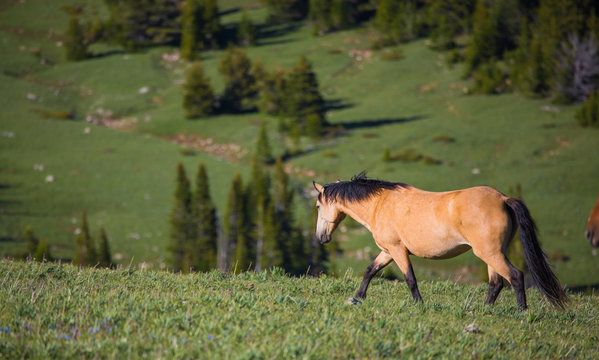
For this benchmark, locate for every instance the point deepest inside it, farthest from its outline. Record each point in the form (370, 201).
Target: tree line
(258, 230)
(86, 252)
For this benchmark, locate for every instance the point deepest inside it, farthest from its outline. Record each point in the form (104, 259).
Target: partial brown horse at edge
(408, 221)
(592, 230)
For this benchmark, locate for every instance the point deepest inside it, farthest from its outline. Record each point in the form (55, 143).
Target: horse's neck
(362, 212)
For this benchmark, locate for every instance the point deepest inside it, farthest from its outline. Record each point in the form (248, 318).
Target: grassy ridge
(49, 310)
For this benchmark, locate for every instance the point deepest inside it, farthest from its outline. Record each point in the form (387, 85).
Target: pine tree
(211, 20)
(302, 97)
(42, 252)
(247, 32)
(290, 238)
(272, 252)
(238, 244)
(386, 19)
(198, 96)
(181, 229)
(259, 201)
(104, 257)
(263, 153)
(537, 77)
(448, 18)
(191, 31)
(482, 47)
(235, 67)
(75, 43)
(286, 10)
(272, 92)
(588, 114)
(31, 241)
(204, 211)
(85, 253)
(320, 16)
(135, 24)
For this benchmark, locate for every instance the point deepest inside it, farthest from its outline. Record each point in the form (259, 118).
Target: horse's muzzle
(324, 238)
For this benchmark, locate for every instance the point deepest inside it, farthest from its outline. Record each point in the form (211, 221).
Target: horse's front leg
(379, 262)
(402, 259)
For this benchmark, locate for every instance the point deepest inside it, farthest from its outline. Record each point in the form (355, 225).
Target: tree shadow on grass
(584, 288)
(371, 123)
(337, 104)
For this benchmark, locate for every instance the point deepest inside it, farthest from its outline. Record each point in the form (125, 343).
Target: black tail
(535, 258)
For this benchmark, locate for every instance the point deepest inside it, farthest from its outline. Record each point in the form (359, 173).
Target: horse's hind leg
(402, 259)
(382, 260)
(495, 286)
(502, 266)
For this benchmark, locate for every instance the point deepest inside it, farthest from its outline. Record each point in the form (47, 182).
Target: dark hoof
(352, 301)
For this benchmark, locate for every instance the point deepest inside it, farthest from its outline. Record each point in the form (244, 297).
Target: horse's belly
(438, 247)
(445, 253)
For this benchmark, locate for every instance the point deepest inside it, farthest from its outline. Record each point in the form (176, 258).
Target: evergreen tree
(75, 43)
(85, 253)
(238, 244)
(263, 153)
(205, 248)
(482, 46)
(272, 92)
(302, 97)
(235, 67)
(536, 78)
(448, 18)
(182, 229)
(247, 32)
(290, 238)
(281, 11)
(191, 31)
(320, 17)
(212, 27)
(489, 79)
(259, 201)
(198, 96)
(104, 257)
(138, 23)
(272, 254)
(42, 252)
(387, 19)
(588, 114)
(31, 241)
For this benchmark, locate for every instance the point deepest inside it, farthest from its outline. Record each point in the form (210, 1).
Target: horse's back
(445, 224)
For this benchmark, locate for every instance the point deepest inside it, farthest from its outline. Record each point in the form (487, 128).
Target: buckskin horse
(408, 221)
(592, 230)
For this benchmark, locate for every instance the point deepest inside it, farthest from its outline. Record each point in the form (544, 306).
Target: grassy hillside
(49, 310)
(124, 174)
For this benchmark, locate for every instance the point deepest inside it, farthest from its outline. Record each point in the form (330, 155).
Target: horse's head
(592, 233)
(329, 215)
(592, 230)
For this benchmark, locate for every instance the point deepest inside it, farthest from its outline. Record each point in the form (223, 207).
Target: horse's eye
(317, 207)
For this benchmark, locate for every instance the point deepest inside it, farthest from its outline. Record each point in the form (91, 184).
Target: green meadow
(61, 311)
(123, 172)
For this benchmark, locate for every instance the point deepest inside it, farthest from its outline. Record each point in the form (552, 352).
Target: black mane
(358, 188)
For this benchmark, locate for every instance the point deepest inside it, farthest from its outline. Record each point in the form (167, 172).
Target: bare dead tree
(577, 67)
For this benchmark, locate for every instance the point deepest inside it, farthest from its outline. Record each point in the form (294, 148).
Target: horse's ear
(338, 180)
(318, 187)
